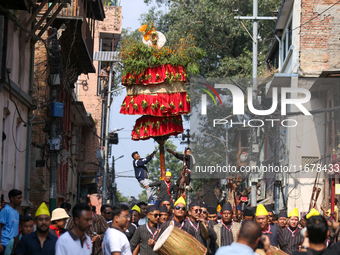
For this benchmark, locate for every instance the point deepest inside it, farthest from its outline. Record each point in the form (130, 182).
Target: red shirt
(56, 230)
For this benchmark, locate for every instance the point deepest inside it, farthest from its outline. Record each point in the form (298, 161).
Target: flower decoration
(147, 30)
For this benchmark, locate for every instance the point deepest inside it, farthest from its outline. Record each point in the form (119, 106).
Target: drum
(275, 251)
(175, 241)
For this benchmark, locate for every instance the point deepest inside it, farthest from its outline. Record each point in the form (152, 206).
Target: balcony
(76, 8)
(17, 4)
(77, 20)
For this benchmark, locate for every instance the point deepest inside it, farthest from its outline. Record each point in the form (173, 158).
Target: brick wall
(39, 180)
(320, 37)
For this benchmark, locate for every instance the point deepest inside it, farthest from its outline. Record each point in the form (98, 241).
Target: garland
(137, 57)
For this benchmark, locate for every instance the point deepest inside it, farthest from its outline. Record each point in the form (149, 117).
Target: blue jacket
(139, 166)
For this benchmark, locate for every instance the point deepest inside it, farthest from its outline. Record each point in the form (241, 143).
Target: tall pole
(113, 182)
(255, 33)
(107, 134)
(277, 181)
(55, 71)
(255, 18)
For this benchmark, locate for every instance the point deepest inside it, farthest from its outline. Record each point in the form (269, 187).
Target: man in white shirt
(115, 241)
(75, 241)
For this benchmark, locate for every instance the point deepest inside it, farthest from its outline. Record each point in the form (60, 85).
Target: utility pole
(255, 18)
(54, 81)
(107, 134)
(114, 188)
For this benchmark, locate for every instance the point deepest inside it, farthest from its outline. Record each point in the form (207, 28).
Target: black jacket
(163, 189)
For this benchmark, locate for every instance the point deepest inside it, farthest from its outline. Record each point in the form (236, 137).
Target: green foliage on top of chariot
(136, 56)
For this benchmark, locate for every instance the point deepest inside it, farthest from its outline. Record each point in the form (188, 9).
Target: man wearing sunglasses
(228, 229)
(192, 224)
(145, 235)
(106, 213)
(179, 213)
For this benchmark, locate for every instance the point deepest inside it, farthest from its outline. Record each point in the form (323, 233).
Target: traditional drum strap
(267, 231)
(153, 235)
(180, 227)
(229, 229)
(293, 232)
(196, 228)
(168, 187)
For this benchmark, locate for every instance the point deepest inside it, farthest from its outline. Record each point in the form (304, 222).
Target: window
(287, 39)
(309, 160)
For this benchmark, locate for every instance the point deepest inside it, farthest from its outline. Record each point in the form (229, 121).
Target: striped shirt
(193, 228)
(290, 240)
(142, 236)
(227, 234)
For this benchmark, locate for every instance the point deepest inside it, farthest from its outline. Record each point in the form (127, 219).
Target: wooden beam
(43, 18)
(35, 14)
(49, 22)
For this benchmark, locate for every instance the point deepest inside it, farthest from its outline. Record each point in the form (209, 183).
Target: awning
(326, 81)
(82, 117)
(284, 14)
(280, 80)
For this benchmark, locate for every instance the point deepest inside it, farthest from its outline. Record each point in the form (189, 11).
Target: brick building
(306, 44)
(18, 38)
(94, 96)
(75, 26)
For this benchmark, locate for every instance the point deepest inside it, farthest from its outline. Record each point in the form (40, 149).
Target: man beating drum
(179, 212)
(192, 225)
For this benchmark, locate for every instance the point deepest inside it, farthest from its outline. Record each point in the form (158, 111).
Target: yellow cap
(261, 210)
(168, 173)
(136, 208)
(180, 201)
(294, 212)
(42, 210)
(312, 212)
(218, 208)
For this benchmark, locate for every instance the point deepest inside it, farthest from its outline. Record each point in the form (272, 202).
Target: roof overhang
(284, 14)
(326, 81)
(98, 10)
(81, 116)
(280, 80)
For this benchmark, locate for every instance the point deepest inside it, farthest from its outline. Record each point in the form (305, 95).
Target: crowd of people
(136, 229)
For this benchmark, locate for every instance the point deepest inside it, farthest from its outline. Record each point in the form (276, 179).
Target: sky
(132, 9)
